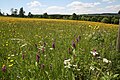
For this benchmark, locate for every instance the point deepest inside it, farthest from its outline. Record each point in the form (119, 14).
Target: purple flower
(3, 68)
(37, 57)
(53, 45)
(73, 44)
(77, 40)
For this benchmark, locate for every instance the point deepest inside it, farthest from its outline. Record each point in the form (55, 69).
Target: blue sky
(62, 6)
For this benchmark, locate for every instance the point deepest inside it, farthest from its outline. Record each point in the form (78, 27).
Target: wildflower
(3, 68)
(74, 65)
(12, 55)
(67, 63)
(53, 45)
(78, 69)
(77, 40)
(106, 60)
(11, 60)
(94, 53)
(8, 57)
(36, 63)
(51, 48)
(73, 44)
(92, 68)
(37, 57)
(10, 65)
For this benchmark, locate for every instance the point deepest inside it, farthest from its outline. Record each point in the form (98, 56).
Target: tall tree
(119, 12)
(30, 14)
(21, 12)
(0, 12)
(45, 15)
(74, 16)
(15, 12)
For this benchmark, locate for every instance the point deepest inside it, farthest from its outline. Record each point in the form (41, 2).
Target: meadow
(51, 49)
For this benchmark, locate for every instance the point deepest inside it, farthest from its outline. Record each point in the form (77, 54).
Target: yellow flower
(11, 60)
(10, 65)
(8, 57)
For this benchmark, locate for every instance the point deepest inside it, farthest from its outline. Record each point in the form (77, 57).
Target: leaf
(115, 75)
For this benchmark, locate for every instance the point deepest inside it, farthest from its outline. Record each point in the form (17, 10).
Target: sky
(61, 6)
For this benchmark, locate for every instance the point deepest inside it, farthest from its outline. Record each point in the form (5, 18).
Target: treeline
(105, 18)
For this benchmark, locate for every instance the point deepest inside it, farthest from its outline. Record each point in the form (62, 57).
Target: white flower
(74, 65)
(78, 69)
(92, 68)
(12, 55)
(106, 60)
(67, 63)
(51, 48)
(94, 53)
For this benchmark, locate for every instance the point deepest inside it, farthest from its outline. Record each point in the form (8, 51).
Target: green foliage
(45, 15)
(30, 14)
(74, 16)
(105, 20)
(116, 21)
(21, 12)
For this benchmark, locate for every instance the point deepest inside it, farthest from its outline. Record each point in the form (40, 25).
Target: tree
(105, 20)
(116, 21)
(119, 12)
(15, 12)
(74, 16)
(0, 13)
(21, 12)
(45, 15)
(94, 19)
(30, 14)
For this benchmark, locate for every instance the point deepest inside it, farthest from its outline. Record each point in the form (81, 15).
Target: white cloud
(77, 4)
(34, 4)
(109, 1)
(80, 7)
(55, 9)
(113, 8)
